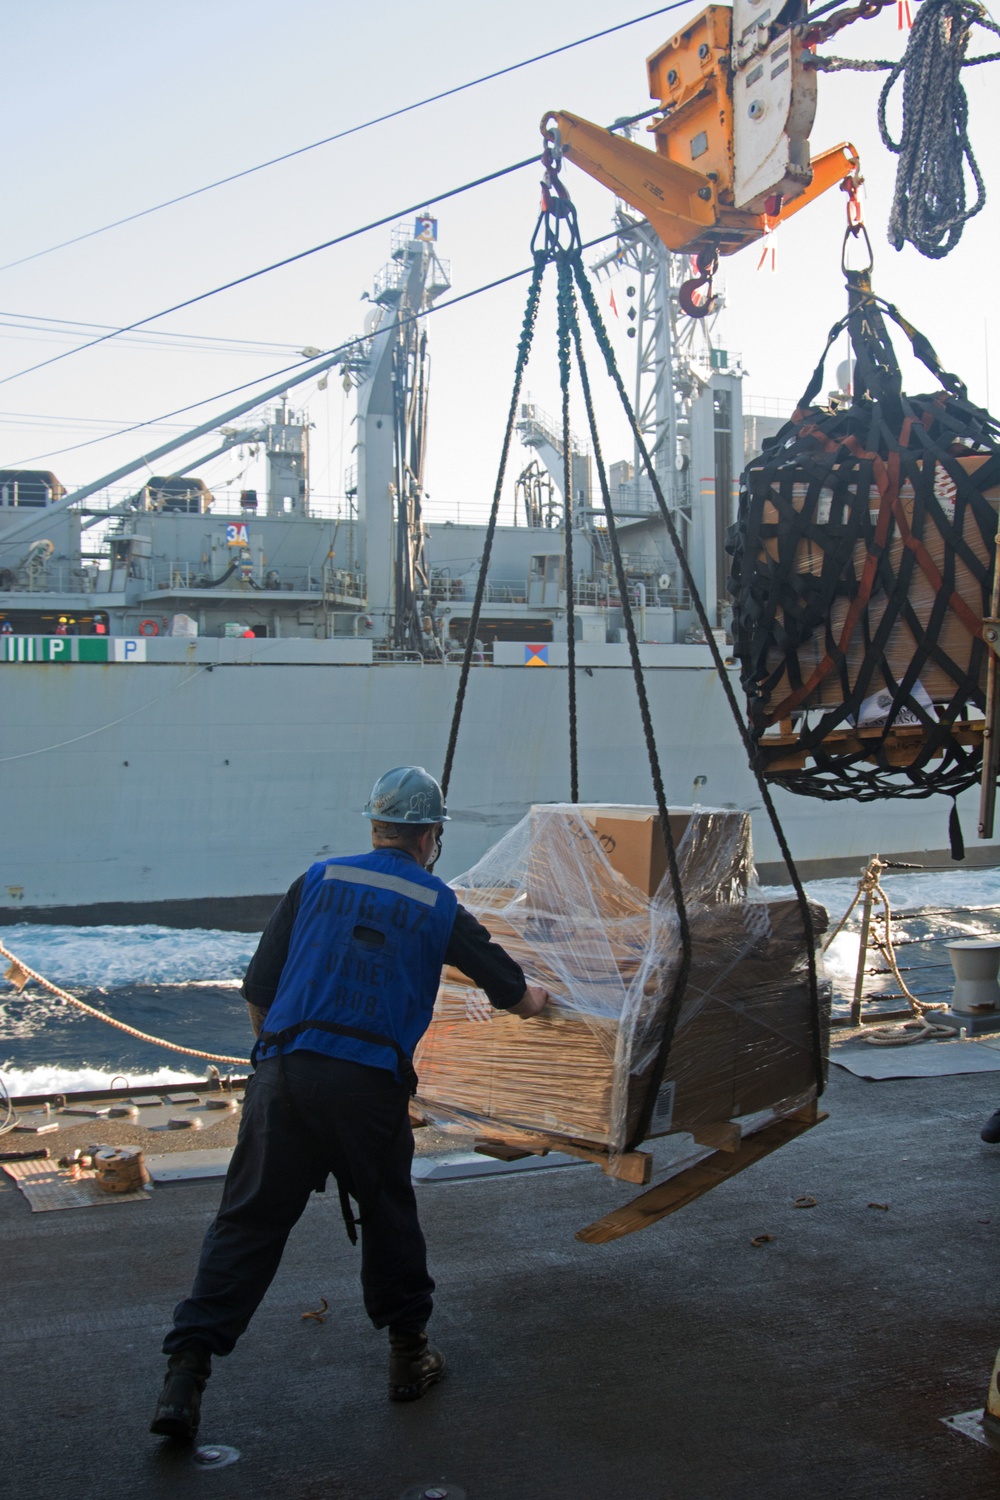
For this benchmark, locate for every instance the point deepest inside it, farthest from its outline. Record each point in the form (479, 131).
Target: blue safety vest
(364, 961)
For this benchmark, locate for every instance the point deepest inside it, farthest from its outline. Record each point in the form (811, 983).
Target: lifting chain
(814, 33)
(551, 241)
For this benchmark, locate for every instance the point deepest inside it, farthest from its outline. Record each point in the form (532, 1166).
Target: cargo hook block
(707, 263)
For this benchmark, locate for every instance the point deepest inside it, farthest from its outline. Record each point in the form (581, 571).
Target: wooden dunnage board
(677, 1192)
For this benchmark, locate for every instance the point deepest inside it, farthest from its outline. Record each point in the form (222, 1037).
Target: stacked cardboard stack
(579, 896)
(946, 552)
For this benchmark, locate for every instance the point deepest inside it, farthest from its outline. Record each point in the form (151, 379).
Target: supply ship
(197, 694)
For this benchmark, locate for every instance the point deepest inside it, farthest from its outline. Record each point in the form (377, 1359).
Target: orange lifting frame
(691, 209)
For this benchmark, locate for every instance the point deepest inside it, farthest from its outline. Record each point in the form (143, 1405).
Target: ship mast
(688, 404)
(392, 373)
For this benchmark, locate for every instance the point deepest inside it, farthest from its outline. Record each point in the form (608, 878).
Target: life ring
(148, 627)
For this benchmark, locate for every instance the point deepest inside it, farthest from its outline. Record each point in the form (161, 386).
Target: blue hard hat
(407, 794)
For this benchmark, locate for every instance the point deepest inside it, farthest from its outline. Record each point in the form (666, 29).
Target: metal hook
(854, 232)
(707, 262)
(552, 135)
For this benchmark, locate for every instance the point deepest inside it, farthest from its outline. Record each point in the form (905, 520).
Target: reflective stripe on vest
(409, 888)
(365, 955)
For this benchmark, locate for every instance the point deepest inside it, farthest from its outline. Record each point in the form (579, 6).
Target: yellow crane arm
(732, 152)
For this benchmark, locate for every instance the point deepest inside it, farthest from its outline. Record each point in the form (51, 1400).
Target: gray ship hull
(192, 791)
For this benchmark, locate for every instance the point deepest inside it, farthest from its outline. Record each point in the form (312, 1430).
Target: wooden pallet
(677, 1192)
(629, 1166)
(782, 751)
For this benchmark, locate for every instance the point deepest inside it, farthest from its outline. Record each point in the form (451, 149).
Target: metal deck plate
(189, 1166)
(970, 1424)
(465, 1164)
(214, 1456)
(433, 1492)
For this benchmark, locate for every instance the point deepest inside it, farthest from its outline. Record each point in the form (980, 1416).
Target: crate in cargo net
(579, 895)
(863, 571)
(853, 591)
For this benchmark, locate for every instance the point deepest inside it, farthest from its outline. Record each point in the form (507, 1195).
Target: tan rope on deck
(919, 1029)
(19, 973)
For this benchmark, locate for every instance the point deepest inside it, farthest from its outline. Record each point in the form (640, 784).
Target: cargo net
(577, 895)
(863, 560)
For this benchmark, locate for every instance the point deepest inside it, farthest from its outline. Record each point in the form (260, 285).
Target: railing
(636, 495)
(389, 282)
(186, 575)
(321, 507)
(505, 593)
(536, 423)
(55, 578)
(482, 658)
(603, 594)
(769, 406)
(390, 655)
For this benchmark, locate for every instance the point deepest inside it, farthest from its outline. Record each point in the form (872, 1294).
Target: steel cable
(524, 348)
(340, 135)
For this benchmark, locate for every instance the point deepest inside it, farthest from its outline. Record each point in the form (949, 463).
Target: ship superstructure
(262, 662)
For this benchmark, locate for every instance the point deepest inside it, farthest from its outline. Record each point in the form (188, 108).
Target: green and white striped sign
(71, 648)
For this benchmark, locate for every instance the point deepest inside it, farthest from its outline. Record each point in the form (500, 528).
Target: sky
(112, 107)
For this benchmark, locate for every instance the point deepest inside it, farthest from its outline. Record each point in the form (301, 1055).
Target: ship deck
(681, 1363)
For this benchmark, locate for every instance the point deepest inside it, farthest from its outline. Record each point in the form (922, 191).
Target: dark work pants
(329, 1116)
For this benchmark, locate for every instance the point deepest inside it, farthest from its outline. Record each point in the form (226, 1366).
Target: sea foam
(108, 957)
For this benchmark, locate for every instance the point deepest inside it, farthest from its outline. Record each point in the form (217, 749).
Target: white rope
(19, 973)
(918, 1030)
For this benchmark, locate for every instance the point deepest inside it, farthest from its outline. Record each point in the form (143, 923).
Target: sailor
(340, 990)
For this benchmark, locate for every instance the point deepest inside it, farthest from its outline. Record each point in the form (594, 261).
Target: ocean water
(183, 984)
(179, 984)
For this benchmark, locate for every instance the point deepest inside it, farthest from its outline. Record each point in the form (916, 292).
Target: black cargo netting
(862, 570)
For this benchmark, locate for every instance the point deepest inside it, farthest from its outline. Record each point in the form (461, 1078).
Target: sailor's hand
(257, 1018)
(534, 999)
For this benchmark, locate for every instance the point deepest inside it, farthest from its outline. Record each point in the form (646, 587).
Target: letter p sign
(128, 649)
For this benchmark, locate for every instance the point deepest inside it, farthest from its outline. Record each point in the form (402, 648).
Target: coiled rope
(19, 974)
(929, 203)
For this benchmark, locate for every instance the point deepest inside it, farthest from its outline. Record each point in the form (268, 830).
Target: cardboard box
(743, 1040)
(714, 849)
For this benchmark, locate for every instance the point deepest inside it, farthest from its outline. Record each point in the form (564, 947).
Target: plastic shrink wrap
(581, 897)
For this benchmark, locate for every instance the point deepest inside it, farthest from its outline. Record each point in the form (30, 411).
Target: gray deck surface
(680, 1363)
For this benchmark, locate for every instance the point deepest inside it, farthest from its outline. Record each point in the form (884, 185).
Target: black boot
(414, 1364)
(178, 1410)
